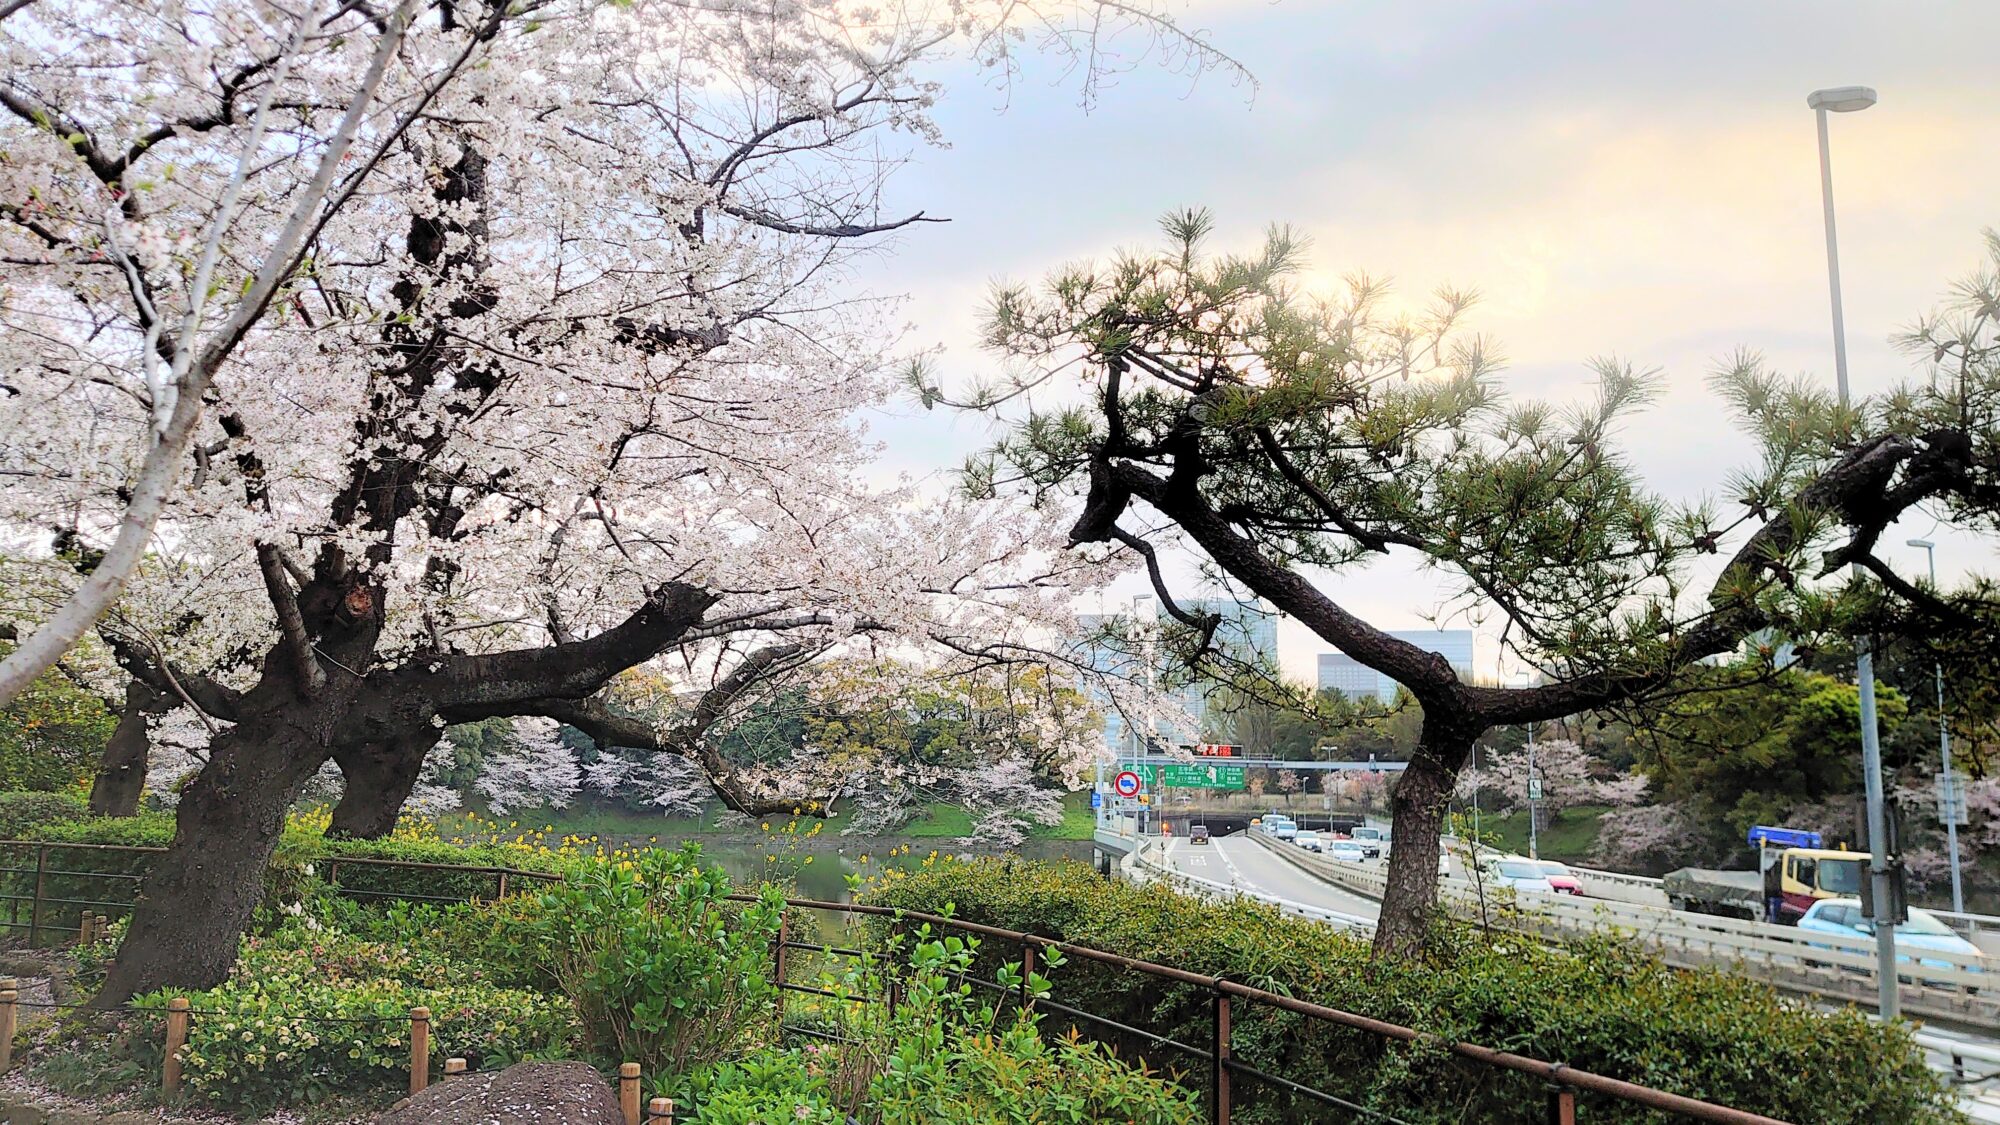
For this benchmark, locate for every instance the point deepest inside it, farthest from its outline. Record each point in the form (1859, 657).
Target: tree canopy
(1191, 399)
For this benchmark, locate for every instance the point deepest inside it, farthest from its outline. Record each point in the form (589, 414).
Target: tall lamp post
(1851, 99)
(1948, 792)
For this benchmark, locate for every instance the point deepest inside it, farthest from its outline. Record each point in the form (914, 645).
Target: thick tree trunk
(1421, 797)
(379, 777)
(121, 771)
(195, 904)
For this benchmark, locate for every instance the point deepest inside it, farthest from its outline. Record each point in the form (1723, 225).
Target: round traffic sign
(1127, 784)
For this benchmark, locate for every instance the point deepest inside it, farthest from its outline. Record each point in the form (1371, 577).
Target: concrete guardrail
(1934, 983)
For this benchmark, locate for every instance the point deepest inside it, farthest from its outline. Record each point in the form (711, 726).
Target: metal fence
(1217, 1066)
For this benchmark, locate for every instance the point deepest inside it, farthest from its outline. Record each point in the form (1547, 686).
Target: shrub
(310, 1014)
(1018, 1075)
(1600, 1006)
(663, 968)
(297, 1040)
(944, 1055)
(771, 1085)
(24, 811)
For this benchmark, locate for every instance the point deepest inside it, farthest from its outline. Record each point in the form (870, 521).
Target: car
(1198, 834)
(1561, 878)
(1310, 841)
(1922, 931)
(1515, 873)
(1370, 840)
(1281, 827)
(1346, 850)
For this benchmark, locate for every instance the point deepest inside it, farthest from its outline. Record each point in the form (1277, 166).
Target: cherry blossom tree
(1570, 776)
(538, 369)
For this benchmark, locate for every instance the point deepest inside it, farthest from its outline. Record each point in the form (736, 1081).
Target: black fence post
(35, 907)
(1219, 1079)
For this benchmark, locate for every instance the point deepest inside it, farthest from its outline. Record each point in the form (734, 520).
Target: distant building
(1353, 679)
(1248, 633)
(1346, 675)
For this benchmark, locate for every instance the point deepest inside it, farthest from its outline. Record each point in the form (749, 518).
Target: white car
(1346, 850)
(1515, 873)
(1310, 841)
(1282, 829)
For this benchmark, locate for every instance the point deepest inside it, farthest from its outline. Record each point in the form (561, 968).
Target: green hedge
(108, 878)
(1602, 1007)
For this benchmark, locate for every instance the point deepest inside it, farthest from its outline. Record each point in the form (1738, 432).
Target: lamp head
(1924, 543)
(1842, 99)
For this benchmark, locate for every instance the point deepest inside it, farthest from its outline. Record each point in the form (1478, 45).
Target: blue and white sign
(1097, 800)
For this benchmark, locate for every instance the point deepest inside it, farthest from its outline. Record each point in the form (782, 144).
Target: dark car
(1198, 834)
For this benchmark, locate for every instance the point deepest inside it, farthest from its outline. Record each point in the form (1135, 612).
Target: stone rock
(529, 1093)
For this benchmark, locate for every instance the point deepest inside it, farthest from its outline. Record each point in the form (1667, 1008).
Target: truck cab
(1808, 875)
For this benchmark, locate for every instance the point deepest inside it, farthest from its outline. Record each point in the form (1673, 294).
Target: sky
(1629, 179)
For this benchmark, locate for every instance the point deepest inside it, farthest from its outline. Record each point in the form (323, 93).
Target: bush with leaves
(1602, 1006)
(309, 1015)
(665, 970)
(953, 1049)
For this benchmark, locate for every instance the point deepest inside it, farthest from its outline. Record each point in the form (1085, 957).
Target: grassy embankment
(1569, 839)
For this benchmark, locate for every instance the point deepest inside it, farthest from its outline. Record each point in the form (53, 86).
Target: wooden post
(84, 925)
(1221, 1073)
(177, 1037)
(628, 1091)
(420, 1049)
(1562, 1106)
(35, 910)
(9, 993)
(660, 1111)
(103, 927)
(454, 1067)
(503, 886)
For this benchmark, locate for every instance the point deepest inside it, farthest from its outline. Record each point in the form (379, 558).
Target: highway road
(1240, 863)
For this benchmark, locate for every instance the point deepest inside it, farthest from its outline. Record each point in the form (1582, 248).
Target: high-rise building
(1348, 676)
(1353, 679)
(1248, 633)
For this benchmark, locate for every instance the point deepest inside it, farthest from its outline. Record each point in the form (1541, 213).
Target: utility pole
(1950, 793)
(1534, 794)
(1849, 99)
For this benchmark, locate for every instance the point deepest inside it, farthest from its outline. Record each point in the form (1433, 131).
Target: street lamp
(1948, 792)
(1849, 99)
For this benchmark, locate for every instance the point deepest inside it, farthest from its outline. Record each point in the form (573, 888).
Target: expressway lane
(1240, 862)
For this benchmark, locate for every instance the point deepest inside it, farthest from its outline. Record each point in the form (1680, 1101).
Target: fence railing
(1932, 982)
(1562, 1082)
(1228, 1001)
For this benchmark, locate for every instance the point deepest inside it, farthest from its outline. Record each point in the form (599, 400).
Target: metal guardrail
(1934, 983)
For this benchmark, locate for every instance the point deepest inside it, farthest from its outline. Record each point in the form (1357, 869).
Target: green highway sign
(1191, 776)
